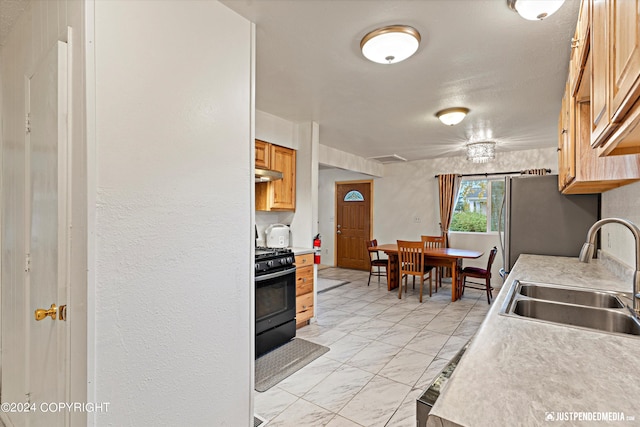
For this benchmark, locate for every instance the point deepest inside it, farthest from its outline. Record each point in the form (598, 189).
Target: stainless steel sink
(591, 298)
(577, 307)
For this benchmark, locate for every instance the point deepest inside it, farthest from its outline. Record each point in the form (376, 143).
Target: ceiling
(477, 54)
(474, 53)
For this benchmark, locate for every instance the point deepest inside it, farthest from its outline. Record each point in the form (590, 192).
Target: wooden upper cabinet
(600, 117)
(566, 146)
(581, 169)
(262, 154)
(615, 91)
(625, 56)
(284, 190)
(279, 195)
(580, 46)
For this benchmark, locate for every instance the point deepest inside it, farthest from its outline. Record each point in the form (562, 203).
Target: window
(354, 196)
(478, 206)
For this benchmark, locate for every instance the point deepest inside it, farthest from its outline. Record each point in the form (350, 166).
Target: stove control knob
(269, 264)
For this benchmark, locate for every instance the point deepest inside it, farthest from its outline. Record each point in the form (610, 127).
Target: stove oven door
(275, 309)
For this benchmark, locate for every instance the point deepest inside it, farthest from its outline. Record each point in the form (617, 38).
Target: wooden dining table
(438, 257)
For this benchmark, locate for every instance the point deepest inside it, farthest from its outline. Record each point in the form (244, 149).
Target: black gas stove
(270, 260)
(275, 280)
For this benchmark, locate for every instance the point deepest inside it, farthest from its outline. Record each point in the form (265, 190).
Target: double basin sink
(578, 307)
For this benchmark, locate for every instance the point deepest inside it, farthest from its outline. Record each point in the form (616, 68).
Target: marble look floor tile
(372, 309)
(466, 329)
(325, 338)
(308, 377)
(433, 370)
(406, 367)
(332, 318)
(373, 357)
(354, 305)
(339, 421)
(338, 388)
(393, 314)
(376, 403)
(418, 319)
(405, 416)
(344, 348)
(302, 412)
(398, 335)
(428, 342)
(373, 329)
(444, 324)
(272, 402)
(452, 347)
(352, 323)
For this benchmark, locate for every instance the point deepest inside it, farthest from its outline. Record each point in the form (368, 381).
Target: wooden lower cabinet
(304, 289)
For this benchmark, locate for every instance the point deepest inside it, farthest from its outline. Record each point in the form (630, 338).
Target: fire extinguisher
(316, 249)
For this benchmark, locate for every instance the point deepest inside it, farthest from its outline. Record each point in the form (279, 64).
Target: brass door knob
(41, 313)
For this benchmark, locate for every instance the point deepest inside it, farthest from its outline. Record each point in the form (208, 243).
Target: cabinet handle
(304, 279)
(575, 42)
(304, 307)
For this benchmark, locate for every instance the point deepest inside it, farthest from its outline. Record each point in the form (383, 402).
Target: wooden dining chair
(434, 242)
(375, 262)
(479, 273)
(411, 260)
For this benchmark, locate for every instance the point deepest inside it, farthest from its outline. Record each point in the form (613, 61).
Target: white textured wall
(333, 157)
(173, 321)
(617, 241)
(409, 190)
(276, 130)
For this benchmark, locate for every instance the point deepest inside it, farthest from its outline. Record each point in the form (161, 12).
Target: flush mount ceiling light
(452, 116)
(481, 152)
(388, 45)
(534, 10)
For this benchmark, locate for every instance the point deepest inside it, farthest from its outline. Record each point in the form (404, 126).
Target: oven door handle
(274, 275)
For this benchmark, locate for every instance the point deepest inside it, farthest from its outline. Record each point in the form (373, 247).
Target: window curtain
(541, 171)
(448, 186)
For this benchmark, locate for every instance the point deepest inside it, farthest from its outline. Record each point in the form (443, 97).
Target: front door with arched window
(353, 223)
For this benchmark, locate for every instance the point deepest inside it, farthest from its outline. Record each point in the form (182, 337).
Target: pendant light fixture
(535, 10)
(452, 116)
(481, 152)
(389, 45)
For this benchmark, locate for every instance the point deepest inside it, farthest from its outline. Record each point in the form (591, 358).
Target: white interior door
(47, 241)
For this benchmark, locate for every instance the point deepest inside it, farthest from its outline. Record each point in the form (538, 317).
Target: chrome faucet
(586, 254)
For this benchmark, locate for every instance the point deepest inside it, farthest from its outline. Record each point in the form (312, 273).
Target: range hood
(265, 175)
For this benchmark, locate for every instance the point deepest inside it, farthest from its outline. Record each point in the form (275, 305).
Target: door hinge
(27, 123)
(27, 263)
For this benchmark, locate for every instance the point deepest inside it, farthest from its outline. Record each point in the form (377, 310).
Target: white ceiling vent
(393, 158)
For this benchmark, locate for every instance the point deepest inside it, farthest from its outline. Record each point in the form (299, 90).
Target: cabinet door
(262, 154)
(284, 190)
(600, 117)
(579, 47)
(566, 146)
(624, 52)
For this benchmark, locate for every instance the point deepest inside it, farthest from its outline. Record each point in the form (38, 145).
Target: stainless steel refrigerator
(540, 220)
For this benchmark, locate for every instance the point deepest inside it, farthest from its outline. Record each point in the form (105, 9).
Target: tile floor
(384, 352)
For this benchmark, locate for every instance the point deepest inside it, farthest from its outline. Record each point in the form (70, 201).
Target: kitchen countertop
(519, 371)
(301, 251)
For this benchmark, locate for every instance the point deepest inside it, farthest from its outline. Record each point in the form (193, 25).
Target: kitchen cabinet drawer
(304, 308)
(304, 260)
(304, 280)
